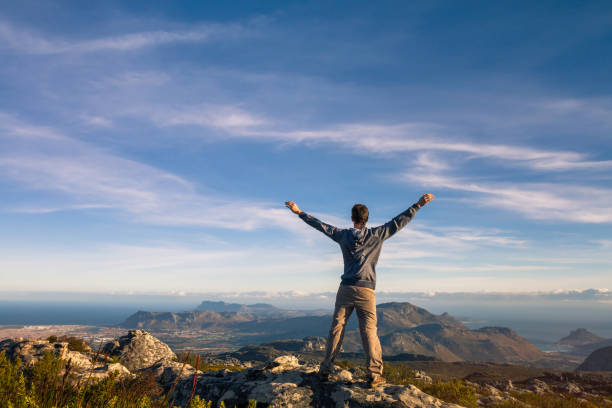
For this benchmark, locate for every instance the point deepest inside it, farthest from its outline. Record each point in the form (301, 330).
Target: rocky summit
(282, 382)
(286, 382)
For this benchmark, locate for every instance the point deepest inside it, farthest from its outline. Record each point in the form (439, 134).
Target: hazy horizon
(542, 318)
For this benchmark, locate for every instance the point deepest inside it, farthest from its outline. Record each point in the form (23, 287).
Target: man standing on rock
(360, 248)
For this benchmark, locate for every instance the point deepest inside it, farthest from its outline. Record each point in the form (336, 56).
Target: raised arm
(327, 229)
(387, 230)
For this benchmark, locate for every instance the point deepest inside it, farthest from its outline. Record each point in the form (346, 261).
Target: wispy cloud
(599, 109)
(461, 270)
(545, 201)
(604, 243)
(448, 243)
(97, 121)
(25, 41)
(224, 117)
(89, 177)
(419, 137)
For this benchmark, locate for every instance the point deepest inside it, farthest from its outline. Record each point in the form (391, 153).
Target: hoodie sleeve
(387, 230)
(327, 229)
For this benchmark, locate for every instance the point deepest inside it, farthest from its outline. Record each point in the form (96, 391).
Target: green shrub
(49, 384)
(196, 402)
(74, 343)
(12, 383)
(401, 374)
(191, 359)
(508, 404)
(551, 400)
(44, 377)
(113, 360)
(455, 391)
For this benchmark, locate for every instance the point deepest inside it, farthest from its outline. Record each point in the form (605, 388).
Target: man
(360, 249)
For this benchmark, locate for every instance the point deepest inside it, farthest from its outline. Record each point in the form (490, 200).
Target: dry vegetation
(48, 384)
(549, 400)
(455, 391)
(195, 361)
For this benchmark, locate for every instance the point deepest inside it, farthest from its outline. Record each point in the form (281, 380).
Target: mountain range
(403, 328)
(259, 309)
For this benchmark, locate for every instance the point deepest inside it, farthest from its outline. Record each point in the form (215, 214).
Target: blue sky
(148, 147)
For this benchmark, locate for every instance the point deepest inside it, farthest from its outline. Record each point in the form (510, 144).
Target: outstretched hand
(293, 207)
(425, 199)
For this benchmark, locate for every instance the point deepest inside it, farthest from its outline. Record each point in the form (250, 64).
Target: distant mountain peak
(405, 314)
(220, 306)
(579, 337)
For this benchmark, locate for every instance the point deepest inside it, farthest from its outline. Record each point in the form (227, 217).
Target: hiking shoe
(376, 381)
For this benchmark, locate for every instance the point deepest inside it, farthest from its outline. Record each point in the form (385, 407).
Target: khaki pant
(364, 300)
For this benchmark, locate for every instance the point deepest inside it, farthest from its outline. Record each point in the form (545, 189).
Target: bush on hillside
(551, 400)
(454, 391)
(74, 343)
(191, 359)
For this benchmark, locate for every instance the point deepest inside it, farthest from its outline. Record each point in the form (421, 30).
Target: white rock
(344, 376)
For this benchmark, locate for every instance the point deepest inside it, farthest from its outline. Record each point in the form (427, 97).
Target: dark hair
(360, 213)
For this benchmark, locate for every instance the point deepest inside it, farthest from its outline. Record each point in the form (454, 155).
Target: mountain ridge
(402, 326)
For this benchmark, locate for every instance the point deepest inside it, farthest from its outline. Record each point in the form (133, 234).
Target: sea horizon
(540, 329)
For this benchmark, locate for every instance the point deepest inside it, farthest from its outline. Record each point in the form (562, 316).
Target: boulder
(81, 365)
(166, 371)
(102, 371)
(537, 386)
(571, 388)
(343, 376)
(30, 351)
(138, 350)
(283, 363)
(422, 376)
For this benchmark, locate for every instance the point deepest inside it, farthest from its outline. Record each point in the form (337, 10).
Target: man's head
(360, 214)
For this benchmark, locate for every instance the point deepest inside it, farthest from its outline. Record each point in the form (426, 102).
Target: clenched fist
(293, 207)
(425, 199)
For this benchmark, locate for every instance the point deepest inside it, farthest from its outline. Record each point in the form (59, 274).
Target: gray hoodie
(361, 248)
